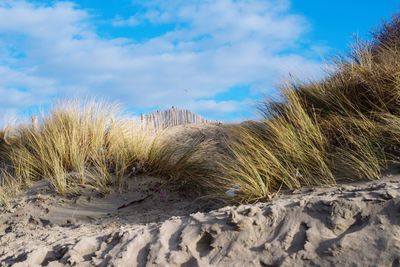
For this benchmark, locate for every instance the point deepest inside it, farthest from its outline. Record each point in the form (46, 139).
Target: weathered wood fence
(171, 117)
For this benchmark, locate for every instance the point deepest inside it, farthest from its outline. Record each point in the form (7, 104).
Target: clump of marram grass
(286, 150)
(77, 145)
(91, 145)
(345, 126)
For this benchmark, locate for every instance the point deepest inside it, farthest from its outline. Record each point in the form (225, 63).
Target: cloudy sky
(217, 58)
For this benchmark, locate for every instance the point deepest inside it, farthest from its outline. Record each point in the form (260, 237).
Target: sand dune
(348, 225)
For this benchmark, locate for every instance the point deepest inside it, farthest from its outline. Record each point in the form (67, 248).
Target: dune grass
(92, 145)
(344, 127)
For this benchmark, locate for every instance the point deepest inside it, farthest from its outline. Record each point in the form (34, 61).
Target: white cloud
(217, 108)
(121, 22)
(51, 50)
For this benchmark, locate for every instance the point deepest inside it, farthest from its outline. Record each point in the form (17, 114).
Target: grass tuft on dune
(91, 145)
(345, 126)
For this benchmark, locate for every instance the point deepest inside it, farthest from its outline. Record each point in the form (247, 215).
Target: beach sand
(146, 223)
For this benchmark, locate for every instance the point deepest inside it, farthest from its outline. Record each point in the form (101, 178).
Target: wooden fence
(171, 117)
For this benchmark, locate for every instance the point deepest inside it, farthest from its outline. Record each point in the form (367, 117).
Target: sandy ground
(347, 225)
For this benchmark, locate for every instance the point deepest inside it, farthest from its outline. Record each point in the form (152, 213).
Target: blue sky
(217, 58)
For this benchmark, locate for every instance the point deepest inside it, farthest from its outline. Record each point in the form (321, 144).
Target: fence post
(35, 124)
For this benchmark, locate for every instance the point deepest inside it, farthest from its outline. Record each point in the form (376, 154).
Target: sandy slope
(349, 225)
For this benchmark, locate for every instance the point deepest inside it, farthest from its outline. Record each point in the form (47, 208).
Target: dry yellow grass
(92, 145)
(286, 150)
(345, 126)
